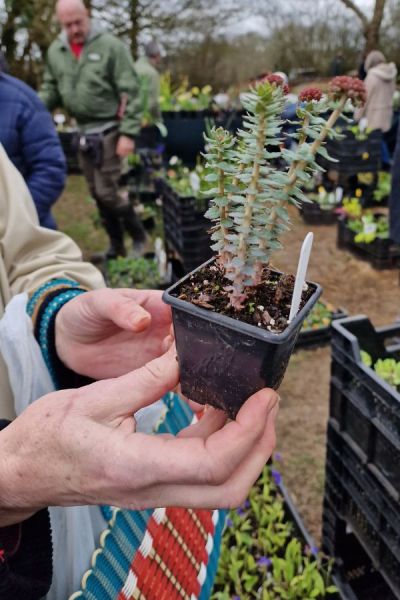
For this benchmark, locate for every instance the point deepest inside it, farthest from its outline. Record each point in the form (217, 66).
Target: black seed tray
(377, 252)
(313, 214)
(313, 338)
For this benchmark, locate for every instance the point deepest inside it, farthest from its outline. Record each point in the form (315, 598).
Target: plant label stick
(301, 274)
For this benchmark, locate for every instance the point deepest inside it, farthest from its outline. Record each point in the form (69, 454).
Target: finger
(121, 309)
(230, 494)
(167, 343)
(198, 461)
(111, 400)
(211, 422)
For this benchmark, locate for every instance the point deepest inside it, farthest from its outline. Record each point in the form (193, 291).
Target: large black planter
(185, 137)
(224, 361)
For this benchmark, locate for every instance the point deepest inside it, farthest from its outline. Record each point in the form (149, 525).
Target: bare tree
(371, 27)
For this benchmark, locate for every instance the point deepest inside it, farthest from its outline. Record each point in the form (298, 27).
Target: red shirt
(76, 49)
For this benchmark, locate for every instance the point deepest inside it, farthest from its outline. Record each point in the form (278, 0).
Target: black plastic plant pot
(223, 361)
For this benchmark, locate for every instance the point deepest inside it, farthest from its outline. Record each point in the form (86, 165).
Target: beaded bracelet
(43, 307)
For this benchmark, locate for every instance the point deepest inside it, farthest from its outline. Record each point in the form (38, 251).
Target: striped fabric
(160, 554)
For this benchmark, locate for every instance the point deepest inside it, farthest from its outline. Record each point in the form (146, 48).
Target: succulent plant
(250, 195)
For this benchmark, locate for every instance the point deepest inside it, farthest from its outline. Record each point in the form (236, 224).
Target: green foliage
(325, 199)
(387, 368)
(369, 228)
(140, 273)
(366, 358)
(320, 316)
(352, 208)
(183, 97)
(261, 558)
(250, 197)
(384, 186)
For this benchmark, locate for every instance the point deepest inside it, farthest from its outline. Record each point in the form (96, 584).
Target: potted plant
(231, 315)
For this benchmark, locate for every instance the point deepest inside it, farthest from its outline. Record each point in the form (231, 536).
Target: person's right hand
(76, 447)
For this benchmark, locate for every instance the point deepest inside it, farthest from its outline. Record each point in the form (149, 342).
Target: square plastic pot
(223, 361)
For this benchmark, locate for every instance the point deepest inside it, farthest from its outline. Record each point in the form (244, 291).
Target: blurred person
(29, 137)
(149, 77)
(380, 84)
(91, 74)
(79, 447)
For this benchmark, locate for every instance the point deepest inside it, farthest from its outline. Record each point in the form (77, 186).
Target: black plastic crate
(365, 408)
(377, 253)
(354, 156)
(354, 573)
(356, 501)
(314, 338)
(313, 214)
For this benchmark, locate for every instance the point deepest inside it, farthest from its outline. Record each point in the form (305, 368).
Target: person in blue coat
(29, 137)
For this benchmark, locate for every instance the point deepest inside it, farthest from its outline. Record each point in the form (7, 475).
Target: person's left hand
(106, 333)
(125, 146)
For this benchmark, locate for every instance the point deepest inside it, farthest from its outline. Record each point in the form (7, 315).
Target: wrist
(15, 500)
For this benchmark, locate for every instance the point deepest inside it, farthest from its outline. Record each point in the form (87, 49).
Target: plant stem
(250, 197)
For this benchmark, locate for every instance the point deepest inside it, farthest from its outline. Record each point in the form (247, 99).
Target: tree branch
(350, 4)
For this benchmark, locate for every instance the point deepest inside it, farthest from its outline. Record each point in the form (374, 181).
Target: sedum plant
(250, 195)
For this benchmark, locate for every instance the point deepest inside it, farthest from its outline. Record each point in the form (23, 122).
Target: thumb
(112, 400)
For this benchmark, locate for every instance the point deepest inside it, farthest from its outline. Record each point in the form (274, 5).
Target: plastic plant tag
(301, 274)
(339, 194)
(194, 181)
(362, 125)
(369, 227)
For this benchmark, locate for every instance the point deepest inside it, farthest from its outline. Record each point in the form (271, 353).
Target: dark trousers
(116, 212)
(394, 198)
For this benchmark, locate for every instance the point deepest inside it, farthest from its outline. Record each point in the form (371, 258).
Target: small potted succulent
(231, 315)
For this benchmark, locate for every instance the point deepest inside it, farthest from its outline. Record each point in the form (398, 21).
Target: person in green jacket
(146, 68)
(91, 74)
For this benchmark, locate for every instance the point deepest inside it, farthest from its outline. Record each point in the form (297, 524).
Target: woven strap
(161, 554)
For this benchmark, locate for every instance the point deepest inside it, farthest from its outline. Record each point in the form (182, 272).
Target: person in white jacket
(380, 84)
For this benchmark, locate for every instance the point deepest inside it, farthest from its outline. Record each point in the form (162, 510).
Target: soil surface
(348, 283)
(267, 305)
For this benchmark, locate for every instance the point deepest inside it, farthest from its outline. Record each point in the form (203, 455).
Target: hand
(106, 333)
(125, 146)
(79, 447)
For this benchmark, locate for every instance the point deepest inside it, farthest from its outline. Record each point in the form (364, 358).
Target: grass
(76, 215)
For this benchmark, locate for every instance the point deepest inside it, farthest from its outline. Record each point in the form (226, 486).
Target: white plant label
(194, 181)
(301, 274)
